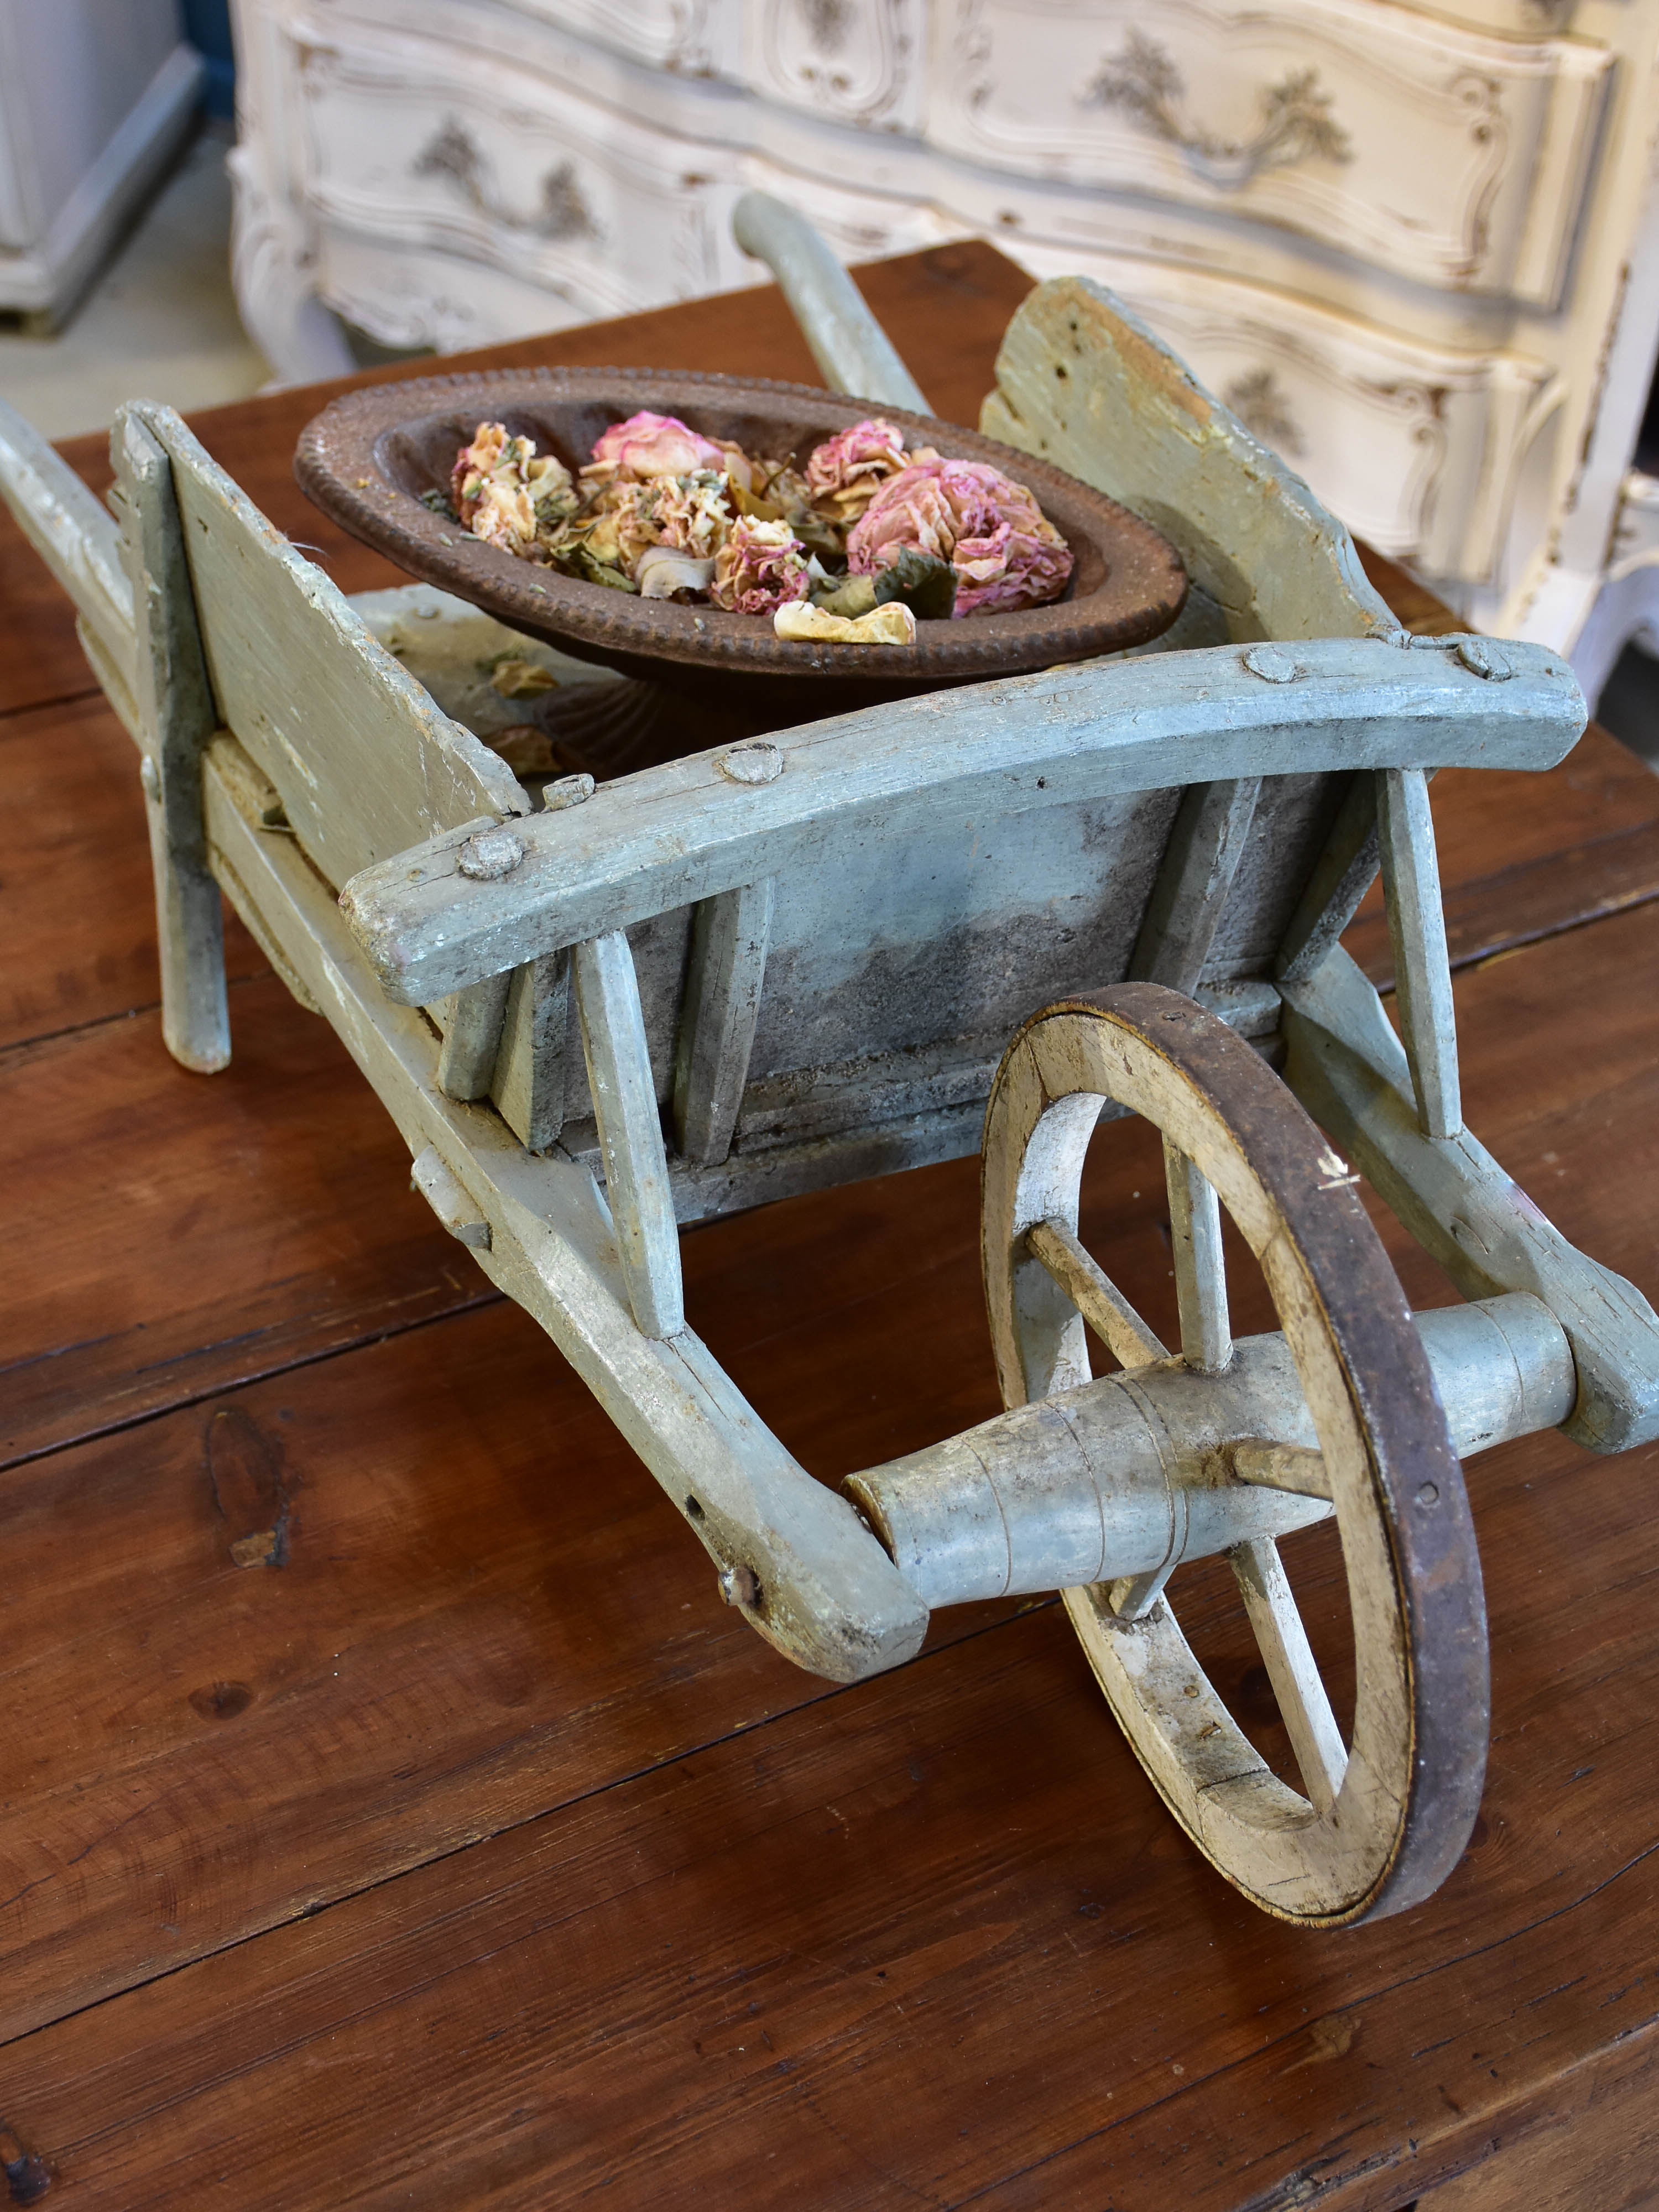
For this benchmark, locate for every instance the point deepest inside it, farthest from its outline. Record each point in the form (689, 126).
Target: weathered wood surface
(1416, 930)
(508, 2024)
(1083, 381)
(1108, 731)
(852, 355)
(175, 717)
(365, 763)
(73, 532)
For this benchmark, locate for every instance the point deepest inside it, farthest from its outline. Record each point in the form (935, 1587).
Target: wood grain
(610, 1897)
(236, 1223)
(900, 1946)
(80, 912)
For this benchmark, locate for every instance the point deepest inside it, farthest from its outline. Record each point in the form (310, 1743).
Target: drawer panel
(850, 61)
(472, 157)
(1454, 158)
(692, 38)
(1416, 448)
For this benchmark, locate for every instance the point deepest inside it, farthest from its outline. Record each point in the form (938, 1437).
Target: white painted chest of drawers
(1412, 246)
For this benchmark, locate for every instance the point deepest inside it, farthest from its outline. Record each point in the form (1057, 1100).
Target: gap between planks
(92, 689)
(379, 1333)
(816, 1690)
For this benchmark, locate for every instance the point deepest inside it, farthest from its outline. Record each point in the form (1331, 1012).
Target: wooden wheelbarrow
(793, 962)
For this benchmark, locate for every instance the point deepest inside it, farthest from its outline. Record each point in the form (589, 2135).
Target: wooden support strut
(729, 940)
(630, 1132)
(826, 1594)
(1417, 927)
(472, 1037)
(176, 717)
(528, 1083)
(1200, 862)
(1346, 1065)
(1342, 875)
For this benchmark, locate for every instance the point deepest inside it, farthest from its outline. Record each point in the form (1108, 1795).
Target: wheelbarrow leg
(176, 719)
(1349, 1070)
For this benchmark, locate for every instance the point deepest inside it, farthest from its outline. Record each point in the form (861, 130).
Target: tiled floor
(159, 323)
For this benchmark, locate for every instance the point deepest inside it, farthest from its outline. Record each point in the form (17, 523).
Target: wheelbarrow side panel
(671, 835)
(365, 762)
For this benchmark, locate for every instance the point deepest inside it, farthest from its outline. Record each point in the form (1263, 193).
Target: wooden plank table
(361, 1845)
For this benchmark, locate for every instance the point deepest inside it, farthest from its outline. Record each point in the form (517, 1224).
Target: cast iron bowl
(368, 456)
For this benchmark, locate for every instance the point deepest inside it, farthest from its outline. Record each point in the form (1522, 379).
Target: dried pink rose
(845, 472)
(1007, 555)
(762, 566)
(649, 445)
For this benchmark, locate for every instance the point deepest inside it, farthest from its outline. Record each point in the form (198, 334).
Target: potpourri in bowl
(739, 529)
(663, 511)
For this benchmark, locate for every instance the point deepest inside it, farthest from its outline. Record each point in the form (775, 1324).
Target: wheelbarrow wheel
(1380, 1819)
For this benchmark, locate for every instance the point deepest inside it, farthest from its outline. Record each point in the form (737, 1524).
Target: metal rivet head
(738, 1586)
(567, 791)
(1271, 666)
(755, 763)
(1428, 1493)
(1480, 654)
(489, 854)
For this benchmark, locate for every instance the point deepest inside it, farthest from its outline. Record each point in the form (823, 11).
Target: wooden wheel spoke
(1206, 1336)
(1093, 1294)
(1283, 1641)
(1281, 1466)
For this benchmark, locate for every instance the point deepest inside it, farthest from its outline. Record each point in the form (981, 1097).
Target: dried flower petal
(845, 472)
(664, 573)
(693, 513)
(892, 624)
(649, 445)
(505, 493)
(761, 565)
(1005, 553)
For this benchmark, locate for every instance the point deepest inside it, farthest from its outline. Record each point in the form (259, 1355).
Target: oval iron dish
(369, 457)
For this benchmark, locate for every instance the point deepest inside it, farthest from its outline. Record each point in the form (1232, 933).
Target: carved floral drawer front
(1417, 448)
(853, 61)
(692, 38)
(487, 161)
(1454, 158)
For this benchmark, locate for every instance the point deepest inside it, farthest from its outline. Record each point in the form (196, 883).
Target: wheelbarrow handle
(848, 344)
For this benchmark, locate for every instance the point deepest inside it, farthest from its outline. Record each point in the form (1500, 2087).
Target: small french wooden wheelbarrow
(797, 962)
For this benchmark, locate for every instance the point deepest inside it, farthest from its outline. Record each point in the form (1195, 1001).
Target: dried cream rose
(504, 493)
(892, 624)
(761, 565)
(665, 572)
